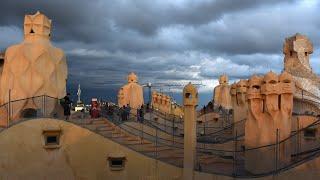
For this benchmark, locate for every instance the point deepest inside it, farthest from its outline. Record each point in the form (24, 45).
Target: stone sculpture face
(223, 80)
(254, 87)
(238, 100)
(286, 83)
(233, 89)
(241, 92)
(287, 89)
(254, 95)
(270, 84)
(37, 25)
(132, 78)
(271, 90)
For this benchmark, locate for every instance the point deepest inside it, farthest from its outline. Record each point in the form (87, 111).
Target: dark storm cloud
(72, 20)
(148, 16)
(89, 22)
(166, 41)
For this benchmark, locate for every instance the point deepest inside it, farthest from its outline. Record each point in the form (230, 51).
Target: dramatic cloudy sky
(167, 41)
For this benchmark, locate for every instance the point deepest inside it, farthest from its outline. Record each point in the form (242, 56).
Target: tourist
(82, 113)
(141, 114)
(123, 113)
(138, 115)
(148, 107)
(95, 109)
(128, 110)
(67, 106)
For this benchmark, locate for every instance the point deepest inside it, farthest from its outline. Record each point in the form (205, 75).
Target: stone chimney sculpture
(131, 93)
(222, 93)
(165, 104)
(270, 103)
(34, 67)
(297, 50)
(238, 93)
(190, 101)
(154, 102)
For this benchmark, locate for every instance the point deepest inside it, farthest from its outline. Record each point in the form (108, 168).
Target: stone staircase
(152, 146)
(105, 128)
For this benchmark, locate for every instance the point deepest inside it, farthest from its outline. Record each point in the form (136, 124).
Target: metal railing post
(235, 155)
(299, 137)
(173, 131)
(42, 108)
(205, 120)
(142, 131)
(302, 102)
(9, 109)
(278, 151)
(204, 128)
(141, 134)
(156, 155)
(165, 125)
(45, 102)
(276, 154)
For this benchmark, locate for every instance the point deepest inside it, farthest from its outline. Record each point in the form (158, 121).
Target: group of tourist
(124, 112)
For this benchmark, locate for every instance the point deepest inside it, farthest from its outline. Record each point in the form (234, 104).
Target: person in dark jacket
(128, 111)
(141, 114)
(123, 113)
(67, 106)
(138, 115)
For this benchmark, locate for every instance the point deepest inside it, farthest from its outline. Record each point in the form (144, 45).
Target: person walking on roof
(67, 106)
